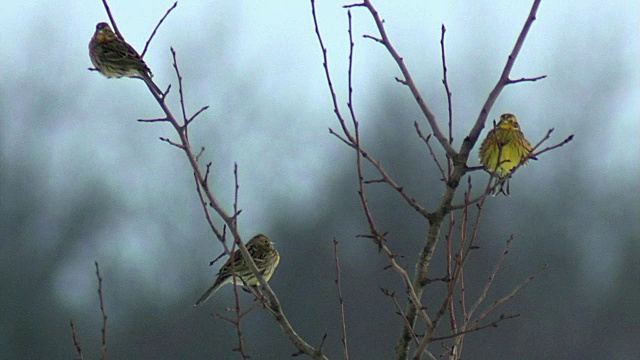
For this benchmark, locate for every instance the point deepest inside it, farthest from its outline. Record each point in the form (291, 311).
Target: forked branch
(267, 297)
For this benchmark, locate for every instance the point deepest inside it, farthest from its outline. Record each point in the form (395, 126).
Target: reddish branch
(104, 315)
(353, 140)
(456, 169)
(268, 298)
(343, 322)
(153, 33)
(407, 78)
(76, 342)
(74, 335)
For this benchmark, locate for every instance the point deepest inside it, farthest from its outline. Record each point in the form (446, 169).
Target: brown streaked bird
(114, 58)
(264, 255)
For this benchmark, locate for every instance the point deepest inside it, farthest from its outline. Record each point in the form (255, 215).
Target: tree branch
(407, 78)
(153, 33)
(104, 315)
(459, 163)
(269, 299)
(343, 321)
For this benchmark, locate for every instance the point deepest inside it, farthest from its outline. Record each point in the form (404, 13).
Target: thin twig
(236, 323)
(325, 65)
(408, 79)
(153, 33)
(207, 215)
(445, 82)
(562, 143)
(451, 285)
(376, 235)
(433, 154)
(349, 138)
(180, 88)
(193, 117)
(215, 260)
(533, 79)
(487, 287)
(380, 41)
(343, 320)
(209, 164)
(492, 324)
(238, 311)
(236, 189)
(399, 311)
(154, 120)
(168, 141)
(332, 132)
(76, 342)
(507, 297)
(112, 20)
(104, 315)
(242, 314)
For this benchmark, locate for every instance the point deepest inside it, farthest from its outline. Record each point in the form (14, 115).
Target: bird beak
(508, 126)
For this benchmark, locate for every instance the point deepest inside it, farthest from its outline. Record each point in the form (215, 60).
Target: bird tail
(501, 189)
(216, 285)
(152, 86)
(207, 294)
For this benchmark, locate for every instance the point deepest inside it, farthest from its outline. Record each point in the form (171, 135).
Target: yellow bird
(504, 148)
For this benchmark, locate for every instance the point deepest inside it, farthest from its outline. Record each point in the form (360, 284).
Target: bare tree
(459, 313)
(212, 208)
(463, 319)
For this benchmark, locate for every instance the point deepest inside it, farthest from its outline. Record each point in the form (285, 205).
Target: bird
(114, 58)
(264, 255)
(504, 148)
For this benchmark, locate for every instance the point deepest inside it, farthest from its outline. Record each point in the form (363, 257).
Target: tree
(455, 219)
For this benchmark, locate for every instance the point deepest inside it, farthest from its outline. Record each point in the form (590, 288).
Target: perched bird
(264, 255)
(504, 148)
(114, 58)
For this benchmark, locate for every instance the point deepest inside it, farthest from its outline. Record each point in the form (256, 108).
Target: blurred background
(82, 181)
